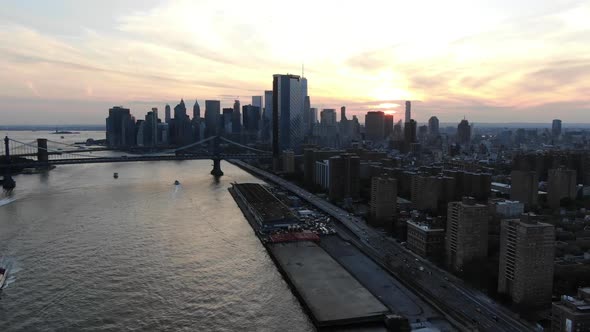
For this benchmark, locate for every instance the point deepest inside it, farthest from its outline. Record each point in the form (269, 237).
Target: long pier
(328, 292)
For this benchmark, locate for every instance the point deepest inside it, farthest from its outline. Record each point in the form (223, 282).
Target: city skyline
(66, 62)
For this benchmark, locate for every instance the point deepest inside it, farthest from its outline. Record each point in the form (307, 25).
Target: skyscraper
(120, 127)
(212, 113)
(196, 111)
(257, 101)
(181, 126)
(267, 117)
(383, 200)
(463, 132)
(561, 184)
(408, 111)
(343, 113)
(556, 128)
(344, 177)
(525, 187)
(150, 128)
(433, 126)
(374, 126)
(527, 249)
(167, 114)
(328, 117)
(388, 125)
(410, 133)
(307, 121)
(236, 121)
(227, 118)
(251, 115)
(289, 92)
(467, 232)
(313, 112)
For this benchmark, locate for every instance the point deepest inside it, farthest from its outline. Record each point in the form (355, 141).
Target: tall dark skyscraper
(307, 117)
(343, 113)
(150, 128)
(212, 115)
(388, 125)
(257, 102)
(227, 120)
(251, 115)
(289, 92)
(196, 110)
(180, 110)
(167, 116)
(120, 127)
(433, 126)
(374, 126)
(464, 132)
(328, 117)
(556, 128)
(408, 111)
(266, 129)
(181, 126)
(410, 133)
(236, 121)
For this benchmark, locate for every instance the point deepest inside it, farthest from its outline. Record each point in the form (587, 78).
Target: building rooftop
(426, 226)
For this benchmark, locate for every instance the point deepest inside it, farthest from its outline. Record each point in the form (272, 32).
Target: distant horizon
(512, 125)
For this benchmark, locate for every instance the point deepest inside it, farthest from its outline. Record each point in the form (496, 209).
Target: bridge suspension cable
(194, 144)
(244, 146)
(35, 147)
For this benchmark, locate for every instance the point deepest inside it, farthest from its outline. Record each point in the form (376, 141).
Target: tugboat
(176, 183)
(116, 175)
(3, 274)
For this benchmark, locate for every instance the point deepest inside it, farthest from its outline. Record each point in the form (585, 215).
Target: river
(89, 252)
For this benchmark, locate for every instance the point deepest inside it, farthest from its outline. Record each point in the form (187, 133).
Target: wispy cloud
(486, 61)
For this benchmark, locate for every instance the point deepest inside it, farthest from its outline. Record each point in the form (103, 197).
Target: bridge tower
(217, 172)
(42, 154)
(8, 183)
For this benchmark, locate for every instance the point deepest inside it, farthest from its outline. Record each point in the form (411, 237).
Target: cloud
(486, 61)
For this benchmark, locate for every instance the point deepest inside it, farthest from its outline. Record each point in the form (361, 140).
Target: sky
(68, 61)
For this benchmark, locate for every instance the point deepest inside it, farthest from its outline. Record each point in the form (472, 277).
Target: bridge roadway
(124, 159)
(473, 309)
(62, 152)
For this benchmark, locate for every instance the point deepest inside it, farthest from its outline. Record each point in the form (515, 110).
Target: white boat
(3, 274)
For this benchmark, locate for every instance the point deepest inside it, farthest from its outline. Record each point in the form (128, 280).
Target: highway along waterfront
(87, 252)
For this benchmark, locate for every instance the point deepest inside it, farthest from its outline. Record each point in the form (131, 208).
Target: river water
(87, 252)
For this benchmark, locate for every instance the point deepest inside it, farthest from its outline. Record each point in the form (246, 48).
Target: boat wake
(6, 201)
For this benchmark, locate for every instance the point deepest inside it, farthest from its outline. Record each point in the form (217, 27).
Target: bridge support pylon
(8, 182)
(217, 168)
(42, 153)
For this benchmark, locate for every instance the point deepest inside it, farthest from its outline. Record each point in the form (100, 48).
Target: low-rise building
(426, 239)
(572, 314)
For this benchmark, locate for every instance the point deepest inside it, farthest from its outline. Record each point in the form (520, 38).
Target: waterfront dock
(329, 293)
(332, 295)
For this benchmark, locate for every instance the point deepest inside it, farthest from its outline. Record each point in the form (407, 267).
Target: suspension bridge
(44, 153)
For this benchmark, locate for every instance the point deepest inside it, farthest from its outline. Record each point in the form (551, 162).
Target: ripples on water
(90, 252)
